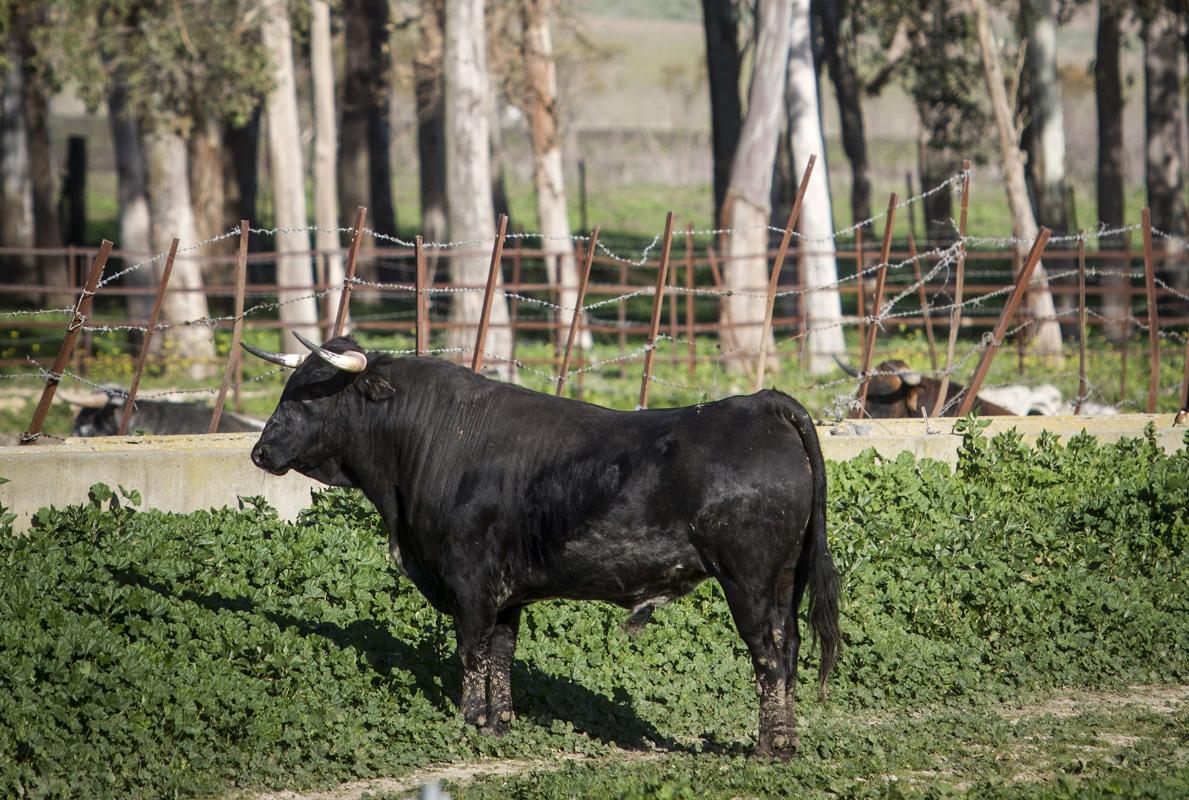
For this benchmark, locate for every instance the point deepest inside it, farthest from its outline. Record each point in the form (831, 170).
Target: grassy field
(1032, 643)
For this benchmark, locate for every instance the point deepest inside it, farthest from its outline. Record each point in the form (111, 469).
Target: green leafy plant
(145, 653)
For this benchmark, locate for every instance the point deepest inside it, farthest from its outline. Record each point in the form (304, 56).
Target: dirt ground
(1157, 699)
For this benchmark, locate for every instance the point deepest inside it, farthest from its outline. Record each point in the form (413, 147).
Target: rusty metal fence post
(81, 311)
(493, 272)
(1153, 316)
(237, 328)
(655, 324)
(576, 317)
(146, 342)
(959, 286)
(984, 362)
(885, 254)
(340, 319)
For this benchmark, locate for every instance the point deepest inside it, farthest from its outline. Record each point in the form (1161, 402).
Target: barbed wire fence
(921, 291)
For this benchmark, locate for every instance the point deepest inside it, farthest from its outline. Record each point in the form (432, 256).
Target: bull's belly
(631, 571)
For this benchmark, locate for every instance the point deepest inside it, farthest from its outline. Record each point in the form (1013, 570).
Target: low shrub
(145, 653)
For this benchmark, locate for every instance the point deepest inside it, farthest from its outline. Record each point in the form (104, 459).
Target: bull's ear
(913, 400)
(374, 386)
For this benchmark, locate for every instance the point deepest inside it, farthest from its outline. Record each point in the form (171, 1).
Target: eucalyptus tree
(467, 86)
(178, 64)
(1164, 125)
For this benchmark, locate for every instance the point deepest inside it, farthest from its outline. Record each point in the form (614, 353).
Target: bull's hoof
(780, 747)
(499, 726)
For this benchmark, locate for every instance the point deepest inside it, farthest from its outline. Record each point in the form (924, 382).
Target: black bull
(495, 496)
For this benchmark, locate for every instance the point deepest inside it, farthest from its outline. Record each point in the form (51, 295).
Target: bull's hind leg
(762, 625)
(499, 672)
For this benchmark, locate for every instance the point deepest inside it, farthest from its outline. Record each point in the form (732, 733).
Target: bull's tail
(816, 566)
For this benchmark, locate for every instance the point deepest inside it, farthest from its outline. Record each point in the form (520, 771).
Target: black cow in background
(99, 415)
(896, 390)
(495, 497)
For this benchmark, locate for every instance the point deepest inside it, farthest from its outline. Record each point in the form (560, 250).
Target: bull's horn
(910, 378)
(351, 361)
(291, 360)
(95, 399)
(847, 368)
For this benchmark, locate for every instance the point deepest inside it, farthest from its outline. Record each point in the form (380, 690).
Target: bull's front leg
(474, 648)
(499, 672)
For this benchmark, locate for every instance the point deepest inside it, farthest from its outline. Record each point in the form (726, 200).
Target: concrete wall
(190, 473)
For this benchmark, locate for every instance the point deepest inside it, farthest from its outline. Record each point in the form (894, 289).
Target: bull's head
(98, 412)
(893, 390)
(308, 431)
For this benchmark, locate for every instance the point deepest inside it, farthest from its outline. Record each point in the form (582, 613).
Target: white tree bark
(288, 181)
(540, 77)
(326, 211)
(172, 216)
(468, 177)
(1040, 299)
(16, 182)
(750, 189)
(823, 308)
(135, 234)
(1048, 120)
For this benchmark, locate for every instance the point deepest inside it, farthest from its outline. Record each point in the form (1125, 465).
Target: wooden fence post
(654, 326)
(340, 319)
(576, 317)
(956, 313)
(860, 298)
(984, 362)
(1153, 316)
(81, 310)
(146, 342)
(774, 278)
(493, 271)
(885, 253)
(237, 328)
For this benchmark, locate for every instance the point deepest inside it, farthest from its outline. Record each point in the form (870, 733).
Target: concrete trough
(192, 473)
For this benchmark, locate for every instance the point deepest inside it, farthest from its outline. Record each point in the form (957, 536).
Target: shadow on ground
(537, 695)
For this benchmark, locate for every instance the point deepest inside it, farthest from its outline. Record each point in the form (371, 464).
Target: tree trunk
(936, 159)
(208, 195)
(541, 105)
(47, 230)
(135, 231)
(747, 206)
(1164, 120)
(172, 216)
(431, 122)
(850, 108)
(241, 168)
(720, 20)
(288, 182)
(364, 87)
(1044, 135)
(499, 180)
(823, 308)
(16, 186)
(468, 175)
(1108, 85)
(326, 211)
(1040, 299)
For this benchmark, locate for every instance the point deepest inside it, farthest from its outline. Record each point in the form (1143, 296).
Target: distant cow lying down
(99, 415)
(895, 390)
